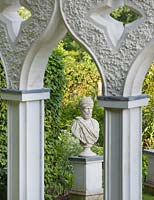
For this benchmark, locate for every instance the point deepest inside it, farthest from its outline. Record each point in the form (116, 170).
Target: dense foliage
(58, 144)
(62, 108)
(125, 14)
(79, 73)
(24, 13)
(81, 79)
(148, 111)
(3, 138)
(71, 74)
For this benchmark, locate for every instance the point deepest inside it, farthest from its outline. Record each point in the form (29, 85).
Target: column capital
(25, 95)
(122, 102)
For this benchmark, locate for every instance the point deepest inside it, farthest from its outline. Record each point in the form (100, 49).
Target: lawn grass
(147, 197)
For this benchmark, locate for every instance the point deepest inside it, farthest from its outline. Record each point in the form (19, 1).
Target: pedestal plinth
(87, 178)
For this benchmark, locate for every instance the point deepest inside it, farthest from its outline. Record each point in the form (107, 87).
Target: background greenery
(147, 197)
(3, 139)
(71, 74)
(67, 85)
(148, 111)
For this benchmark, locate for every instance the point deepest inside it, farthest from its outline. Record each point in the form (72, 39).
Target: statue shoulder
(76, 120)
(75, 127)
(94, 120)
(79, 117)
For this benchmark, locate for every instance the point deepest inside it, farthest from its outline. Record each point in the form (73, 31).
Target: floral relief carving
(15, 52)
(115, 63)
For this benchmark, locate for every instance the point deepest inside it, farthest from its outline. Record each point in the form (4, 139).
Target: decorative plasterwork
(14, 49)
(10, 17)
(114, 62)
(113, 29)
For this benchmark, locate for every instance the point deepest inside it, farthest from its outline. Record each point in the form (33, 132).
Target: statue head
(86, 105)
(87, 131)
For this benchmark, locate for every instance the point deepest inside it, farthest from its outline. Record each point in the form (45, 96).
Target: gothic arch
(25, 70)
(98, 65)
(138, 70)
(33, 69)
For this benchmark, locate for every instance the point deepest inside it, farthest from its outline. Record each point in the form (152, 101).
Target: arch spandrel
(115, 63)
(138, 70)
(20, 55)
(38, 35)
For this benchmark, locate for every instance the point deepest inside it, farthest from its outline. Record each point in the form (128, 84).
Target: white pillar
(25, 143)
(123, 147)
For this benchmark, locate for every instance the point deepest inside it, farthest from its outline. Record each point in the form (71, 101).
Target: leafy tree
(81, 79)
(3, 138)
(148, 111)
(70, 74)
(24, 13)
(125, 14)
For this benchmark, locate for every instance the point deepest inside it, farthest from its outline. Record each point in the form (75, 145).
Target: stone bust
(85, 128)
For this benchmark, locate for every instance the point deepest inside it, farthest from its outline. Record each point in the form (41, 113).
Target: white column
(25, 143)
(123, 147)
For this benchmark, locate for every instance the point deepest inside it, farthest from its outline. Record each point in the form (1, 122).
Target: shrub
(3, 139)
(66, 75)
(144, 168)
(148, 111)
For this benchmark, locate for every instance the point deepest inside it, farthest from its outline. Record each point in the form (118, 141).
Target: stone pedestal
(87, 178)
(149, 184)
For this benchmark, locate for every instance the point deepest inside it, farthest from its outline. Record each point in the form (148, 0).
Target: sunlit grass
(148, 197)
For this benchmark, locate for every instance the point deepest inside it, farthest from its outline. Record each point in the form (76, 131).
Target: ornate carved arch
(115, 53)
(138, 70)
(38, 35)
(91, 24)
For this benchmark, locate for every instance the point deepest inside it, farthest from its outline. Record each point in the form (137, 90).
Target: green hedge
(148, 111)
(60, 111)
(59, 144)
(3, 139)
(57, 175)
